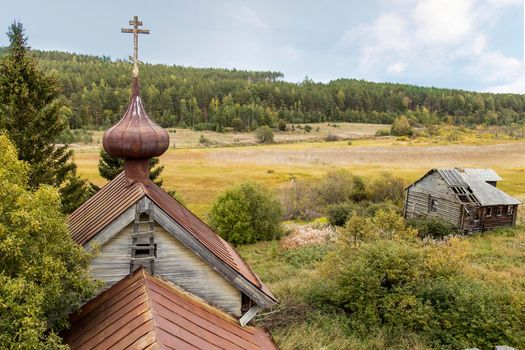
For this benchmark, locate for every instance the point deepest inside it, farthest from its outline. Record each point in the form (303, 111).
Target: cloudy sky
(467, 44)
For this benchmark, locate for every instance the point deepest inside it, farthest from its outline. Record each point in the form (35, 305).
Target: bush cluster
(432, 227)
(402, 288)
(264, 134)
(401, 127)
(246, 214)
(338, 193)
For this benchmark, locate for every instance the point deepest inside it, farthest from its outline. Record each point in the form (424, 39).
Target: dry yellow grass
(199, 174)
(186, 138)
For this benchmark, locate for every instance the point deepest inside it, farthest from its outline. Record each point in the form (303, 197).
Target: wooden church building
(466, 198)
(170, 281)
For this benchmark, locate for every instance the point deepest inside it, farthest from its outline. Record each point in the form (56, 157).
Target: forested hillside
(96, 90)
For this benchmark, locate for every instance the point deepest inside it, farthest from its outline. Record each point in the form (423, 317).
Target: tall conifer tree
(32, 115)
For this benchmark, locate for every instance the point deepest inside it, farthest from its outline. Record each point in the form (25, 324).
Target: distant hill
(97, 88)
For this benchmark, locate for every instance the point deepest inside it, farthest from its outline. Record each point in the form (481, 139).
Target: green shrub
(281, 125)
(339, 186)
(246, 214)
(387, 187)
(432, 227)
(77, 135)
(401, 127)
(264, 134)
(401, 288)
(307, 128)
(307, 255)
(372, 208)
(339, 213)
(237, 124)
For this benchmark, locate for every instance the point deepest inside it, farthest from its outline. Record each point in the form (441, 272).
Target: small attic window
(144, 217)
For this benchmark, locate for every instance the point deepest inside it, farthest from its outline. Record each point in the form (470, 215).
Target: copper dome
(136, 136)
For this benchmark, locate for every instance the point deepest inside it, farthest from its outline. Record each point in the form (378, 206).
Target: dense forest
(96, 90)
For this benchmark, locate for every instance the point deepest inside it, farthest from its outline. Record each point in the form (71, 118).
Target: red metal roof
(144, 312)
(119, 195)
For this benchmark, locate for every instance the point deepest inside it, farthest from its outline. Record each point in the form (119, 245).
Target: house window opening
(510, 210)
(488, 212)
(499, 211)
(433, 205)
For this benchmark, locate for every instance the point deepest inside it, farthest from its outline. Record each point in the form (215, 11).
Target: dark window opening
(488, 212)
(144, 252)
(144, 217)
(246, 303)
(433, 205)
(499, 211)
(510, 210)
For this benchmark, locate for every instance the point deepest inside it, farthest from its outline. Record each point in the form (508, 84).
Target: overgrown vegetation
(246, 214)
(380, 286)
(43, 273)
(338, 194)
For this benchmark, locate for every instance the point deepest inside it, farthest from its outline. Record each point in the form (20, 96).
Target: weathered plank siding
(174, 262)
(495, 220)
(433, 186)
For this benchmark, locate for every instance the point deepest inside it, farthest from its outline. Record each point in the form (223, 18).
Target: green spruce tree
(33, 117)
(109, 167)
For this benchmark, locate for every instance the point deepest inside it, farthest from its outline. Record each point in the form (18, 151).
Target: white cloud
(433, 38)
(396, 68)
(443, 21)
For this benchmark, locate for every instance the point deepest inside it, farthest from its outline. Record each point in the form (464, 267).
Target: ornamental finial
(136, 31)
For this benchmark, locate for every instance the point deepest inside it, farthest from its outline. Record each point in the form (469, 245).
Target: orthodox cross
(136, 31)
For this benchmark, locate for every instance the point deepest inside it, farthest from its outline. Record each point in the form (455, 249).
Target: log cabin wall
(431, 196)
(174, 262)
(499, 216)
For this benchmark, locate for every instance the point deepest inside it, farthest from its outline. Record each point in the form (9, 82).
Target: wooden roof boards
(144, 312)
(120, 194)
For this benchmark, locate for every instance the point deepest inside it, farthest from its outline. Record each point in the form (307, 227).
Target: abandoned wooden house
(466, 198)
(192, 287)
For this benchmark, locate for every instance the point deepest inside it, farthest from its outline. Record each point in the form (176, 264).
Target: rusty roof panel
(143, 311)
(104, 207)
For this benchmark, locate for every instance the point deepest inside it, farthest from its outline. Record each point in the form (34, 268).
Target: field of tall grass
(200, 173)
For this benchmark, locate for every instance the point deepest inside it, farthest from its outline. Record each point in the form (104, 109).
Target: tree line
(95, 90)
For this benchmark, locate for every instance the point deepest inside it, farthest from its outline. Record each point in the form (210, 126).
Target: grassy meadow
(200, 173)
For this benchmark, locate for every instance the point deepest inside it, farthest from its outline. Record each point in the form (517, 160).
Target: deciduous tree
(43, 273)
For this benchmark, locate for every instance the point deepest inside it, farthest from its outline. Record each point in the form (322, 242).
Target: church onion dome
(136, 135)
